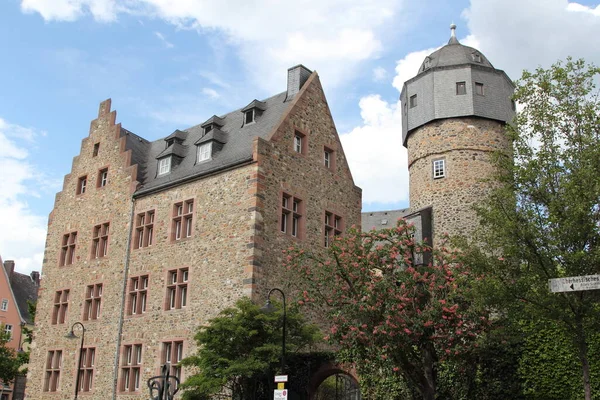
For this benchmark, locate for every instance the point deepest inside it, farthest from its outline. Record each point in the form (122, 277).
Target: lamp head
(268, 307)
(70, 335)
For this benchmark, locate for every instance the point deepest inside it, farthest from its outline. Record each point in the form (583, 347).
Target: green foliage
(543, 221)
(239, 351)
(9, 360)
(387, 315)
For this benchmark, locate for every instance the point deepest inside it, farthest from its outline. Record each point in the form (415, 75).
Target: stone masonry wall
(305, 176)
(80, 213)
(466, 145)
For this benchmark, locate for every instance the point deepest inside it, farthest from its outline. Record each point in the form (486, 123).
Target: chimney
(297, 77)
(35, 277)
(9, 266)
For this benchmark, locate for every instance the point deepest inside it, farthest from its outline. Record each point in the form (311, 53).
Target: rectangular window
(439, 169)
(81, 184)
(172, 354)
(96, 148)
(182, 226)
(479, 89)
(299, 142)
(249, 116)
(4, 306)
(291, 215)
(67, 253)
(333, 227)
(144, 229)
(100, 240)
(164, 165)
(102, 178)
(204, 151)
(131, 366)
(61, 306)
(93, 300)
(8, 329)
(86, 369)
(177, 289)
(413, 101)
(53, 366)
(461, 88)
(138, 295)
(208, 128)
(329, 158)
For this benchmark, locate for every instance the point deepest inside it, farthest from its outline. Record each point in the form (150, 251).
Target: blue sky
(172, 64)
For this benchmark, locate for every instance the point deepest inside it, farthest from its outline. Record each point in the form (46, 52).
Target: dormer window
(476, 57)
(208, 128)
(170, 142)
(164, 165)
(249, 117)
(426, 63)
(204, 152)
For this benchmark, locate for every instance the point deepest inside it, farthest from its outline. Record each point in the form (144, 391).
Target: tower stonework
(454, 114)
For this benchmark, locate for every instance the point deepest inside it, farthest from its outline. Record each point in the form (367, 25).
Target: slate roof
(237, 148)
(382, 219)
(24, 289)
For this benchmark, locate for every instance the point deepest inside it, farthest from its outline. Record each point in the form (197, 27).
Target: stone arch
(325, 371)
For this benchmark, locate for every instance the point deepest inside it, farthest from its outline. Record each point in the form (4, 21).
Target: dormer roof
(255, 104)
(176, 149)
(215, 134)
(214, 120)
(178, 135)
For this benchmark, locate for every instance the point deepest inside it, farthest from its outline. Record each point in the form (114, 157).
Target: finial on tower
(453, 39)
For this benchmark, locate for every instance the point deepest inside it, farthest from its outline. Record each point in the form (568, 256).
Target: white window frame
(8, 328)
(439, 168)
(297, 143)
(4, 306)
(205, 152)
(164, 166)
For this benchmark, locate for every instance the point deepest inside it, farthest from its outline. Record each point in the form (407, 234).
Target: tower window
(439, 169)
(427, 63)
(413, 101)
(461, 88)
(479, 88)
(476, 57)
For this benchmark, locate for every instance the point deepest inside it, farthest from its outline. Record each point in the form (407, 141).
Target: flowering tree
(384, 312)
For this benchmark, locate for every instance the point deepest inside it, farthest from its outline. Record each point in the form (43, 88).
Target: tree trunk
(428, 388)
(583, 357)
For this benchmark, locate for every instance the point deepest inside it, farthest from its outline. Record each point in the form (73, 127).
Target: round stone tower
(454, 113)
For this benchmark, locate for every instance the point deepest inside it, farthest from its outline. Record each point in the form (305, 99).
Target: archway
(333, 382)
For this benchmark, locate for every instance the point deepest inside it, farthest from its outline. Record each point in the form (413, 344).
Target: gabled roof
(25, 290)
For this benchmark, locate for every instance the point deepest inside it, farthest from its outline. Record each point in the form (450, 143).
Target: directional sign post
(574, 283)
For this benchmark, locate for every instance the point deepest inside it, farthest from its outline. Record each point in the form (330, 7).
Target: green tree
(239, 351)
(9, 360)
(543, 220)
(386, 314)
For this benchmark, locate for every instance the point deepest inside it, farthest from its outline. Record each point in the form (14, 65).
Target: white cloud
(23, 233)
(212, 93)
(162, 38)
(269, 36)
(379, 74)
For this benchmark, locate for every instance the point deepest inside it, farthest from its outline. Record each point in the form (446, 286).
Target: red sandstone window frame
(81, 185)
(130, 374)
(100, 239)
(61, 306)
(52, 370)
(144, 229)
(102, 180)
(177, 289)
(300, 142)
(291, 213)
(171, 353)
(93, 302)
(182, 226)
(68, 247)
(333, 225)
(137, 298)
(86, 369)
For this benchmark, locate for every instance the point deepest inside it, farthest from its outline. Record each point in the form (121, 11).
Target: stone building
(148, 240)
(16, 291)
(454, 114)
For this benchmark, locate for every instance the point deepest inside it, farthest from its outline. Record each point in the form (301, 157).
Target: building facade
(16, 292)
(149, 240)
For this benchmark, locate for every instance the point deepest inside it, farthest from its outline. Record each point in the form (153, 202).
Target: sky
(171, 64)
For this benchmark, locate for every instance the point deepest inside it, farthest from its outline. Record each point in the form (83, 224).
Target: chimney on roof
(9, 266)
(35, 277)
(297, 77)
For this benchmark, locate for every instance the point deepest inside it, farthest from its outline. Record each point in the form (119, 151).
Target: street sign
(280, 385)
(281, 378)
(280, 395)
(574, 283)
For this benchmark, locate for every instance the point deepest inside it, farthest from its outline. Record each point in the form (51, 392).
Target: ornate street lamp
(268, 307)
(71, 335)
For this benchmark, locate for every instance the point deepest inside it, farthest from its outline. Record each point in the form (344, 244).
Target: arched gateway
(333, 382)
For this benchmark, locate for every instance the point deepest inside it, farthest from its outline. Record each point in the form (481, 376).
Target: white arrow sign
(574, 283)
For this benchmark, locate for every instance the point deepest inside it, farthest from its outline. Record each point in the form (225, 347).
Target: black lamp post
(71, 335)
(268, 307)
